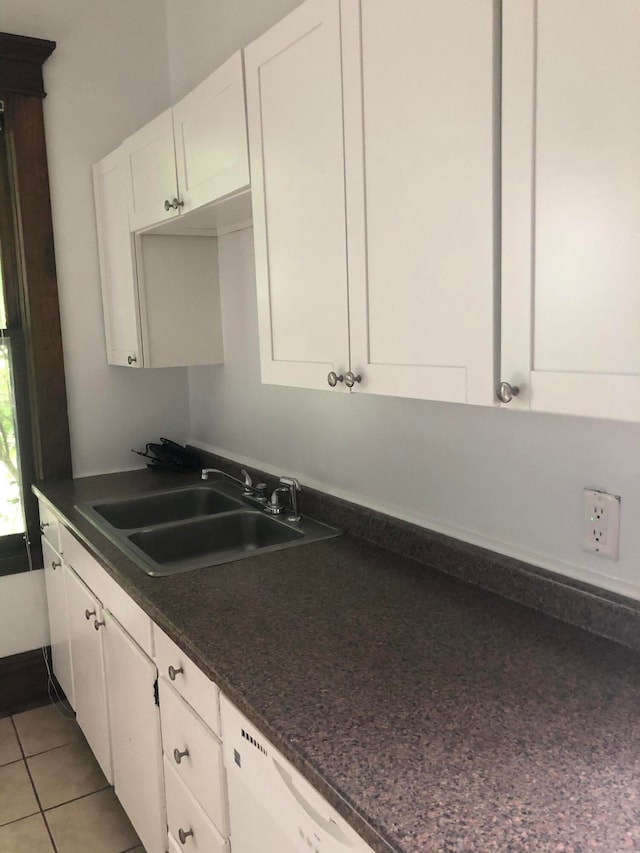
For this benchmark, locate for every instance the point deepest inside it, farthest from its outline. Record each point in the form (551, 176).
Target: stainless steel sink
(211, 541)
(174, 531)
(163, 507)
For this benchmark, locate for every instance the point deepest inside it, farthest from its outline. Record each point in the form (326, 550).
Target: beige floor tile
(95, 823)
(17, 798)
(45, 728)
(25, 836)
(9, 746)
(65, 773)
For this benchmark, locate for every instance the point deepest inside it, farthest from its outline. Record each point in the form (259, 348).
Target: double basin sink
(196, 526)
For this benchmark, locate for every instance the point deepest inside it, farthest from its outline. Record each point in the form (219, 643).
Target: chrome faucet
(289, 486)
(246, 483)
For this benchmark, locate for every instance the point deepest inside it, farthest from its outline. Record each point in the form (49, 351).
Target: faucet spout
(246, 483)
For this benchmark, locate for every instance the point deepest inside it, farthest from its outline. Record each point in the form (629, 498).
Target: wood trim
(24, 681)
(21, 60)
(40, 308)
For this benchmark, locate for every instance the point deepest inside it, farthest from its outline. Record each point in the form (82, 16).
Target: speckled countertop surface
(435, 716)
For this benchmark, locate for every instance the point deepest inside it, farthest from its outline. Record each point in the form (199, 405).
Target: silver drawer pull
(43, 525)
(88, 614)
(182, 835)
(97, 625)
(173, 672)
(55, 564)
(178, 756)
(506, 392)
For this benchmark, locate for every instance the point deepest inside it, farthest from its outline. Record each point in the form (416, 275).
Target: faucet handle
(248, 482)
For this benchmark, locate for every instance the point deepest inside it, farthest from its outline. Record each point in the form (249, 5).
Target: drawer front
(132, 617)
(184, 815)
(190, 682)
(202, 770)
(49, 526)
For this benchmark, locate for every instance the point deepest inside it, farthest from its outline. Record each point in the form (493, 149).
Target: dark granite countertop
(435, 716)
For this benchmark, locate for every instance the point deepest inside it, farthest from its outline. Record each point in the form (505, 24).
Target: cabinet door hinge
(156, 693)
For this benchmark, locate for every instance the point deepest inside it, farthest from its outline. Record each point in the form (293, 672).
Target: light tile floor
(53, 796)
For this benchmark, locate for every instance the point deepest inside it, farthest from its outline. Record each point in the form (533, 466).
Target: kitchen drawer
(202, 770)
(190, 682)
(184, 814)
(49, 526)
(132, 617)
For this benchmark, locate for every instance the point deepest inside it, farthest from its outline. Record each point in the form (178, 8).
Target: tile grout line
(24, 758)
(75, 800)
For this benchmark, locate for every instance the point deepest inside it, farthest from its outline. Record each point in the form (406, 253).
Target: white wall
(203, 33)
(509, 481)
(23, 613)
(108, 75)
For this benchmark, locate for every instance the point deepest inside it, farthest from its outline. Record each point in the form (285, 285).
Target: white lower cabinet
(190, 827)
(102, 647)
(54, 578)
(85, 622)
(136, 745)
(195, 780)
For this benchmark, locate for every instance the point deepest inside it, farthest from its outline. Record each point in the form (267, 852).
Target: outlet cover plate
(601, 523)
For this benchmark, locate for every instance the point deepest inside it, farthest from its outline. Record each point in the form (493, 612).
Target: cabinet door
(151, 170)
(210, 129)
(420, 84)
(135, 736)
(117, 261)
(85, 613)
(58, 619)
(571, 206)
(294, 104)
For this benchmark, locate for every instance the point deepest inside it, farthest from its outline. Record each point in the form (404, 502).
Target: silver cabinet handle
(55, 564)
(173, 672)
(43, 525)
(97, 625)
(178, 756)
(506, 392)
(333, 379)
(132, 359)
(182, 835)
(173, 205)
(350, 379)
(88, 614)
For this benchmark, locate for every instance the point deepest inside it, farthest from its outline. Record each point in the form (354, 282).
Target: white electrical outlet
(601, 524)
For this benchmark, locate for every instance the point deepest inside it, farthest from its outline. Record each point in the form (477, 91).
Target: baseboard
(24, 681)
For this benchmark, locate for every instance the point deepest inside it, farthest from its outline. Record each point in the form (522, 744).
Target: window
(34, 430)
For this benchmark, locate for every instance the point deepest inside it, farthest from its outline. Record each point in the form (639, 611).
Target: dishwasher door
(273, 809)
(253, 830)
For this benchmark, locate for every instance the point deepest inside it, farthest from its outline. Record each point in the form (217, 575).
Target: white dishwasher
(273, 809)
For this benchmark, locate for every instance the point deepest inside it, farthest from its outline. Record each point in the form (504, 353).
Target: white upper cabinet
(151, 165)
(210, 131)
(372, 143)
(157, 219)
(571, 206)
(160, 293)
(420, 84)
(294, 104)
(117, 267)
(193, 154)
